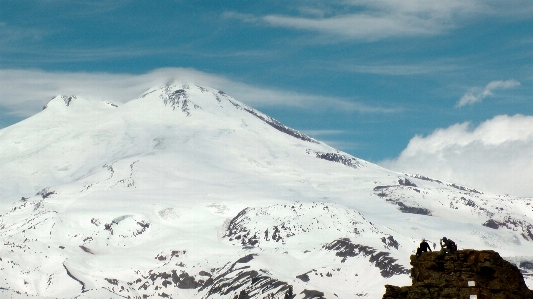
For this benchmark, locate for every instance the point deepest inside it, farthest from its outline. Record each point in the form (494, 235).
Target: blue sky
(367, 77)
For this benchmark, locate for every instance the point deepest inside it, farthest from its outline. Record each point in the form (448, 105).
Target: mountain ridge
(187, 192)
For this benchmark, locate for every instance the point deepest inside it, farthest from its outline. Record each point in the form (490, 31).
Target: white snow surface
(186, 192)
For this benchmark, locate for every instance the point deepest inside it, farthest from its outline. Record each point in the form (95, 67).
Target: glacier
(186, 192)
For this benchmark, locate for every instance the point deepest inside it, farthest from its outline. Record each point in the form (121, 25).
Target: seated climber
(424, 246)
(446, 245)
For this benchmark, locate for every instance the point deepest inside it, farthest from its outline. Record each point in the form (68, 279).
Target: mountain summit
(185, 192)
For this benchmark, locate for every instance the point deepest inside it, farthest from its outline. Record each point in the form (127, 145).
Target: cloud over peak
(22, 101)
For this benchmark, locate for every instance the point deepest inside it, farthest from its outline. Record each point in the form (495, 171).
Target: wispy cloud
(15, 35)
(23, 92)
(359, 26)
(349, 26)
(476, 95)
(370, 20)
(496, 156)
(374, 20)
(396, 69)
(34, 55)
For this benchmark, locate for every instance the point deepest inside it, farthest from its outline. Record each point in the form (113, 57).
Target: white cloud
(362, 26)
(373, 20)
(14, 39)
(396, 69)
(24, 92)
(476, 95)
(496, 156)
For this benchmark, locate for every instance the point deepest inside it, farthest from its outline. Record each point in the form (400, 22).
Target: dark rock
(246, 259)
(462, 275)
(243, 295)
(511, 223)
(188, 282)
(462, 188)
(112, 281)
(377, 188)
(203, 273)
(236, 278)
(390, 242)
(425, 178)
(491, 223)
(67, 99)
(289, 294)
(413, 210)
(309, 294)
(86, 249)
(338, 158)
(45, 193)
(278, 126)
(161, 257)
(387, 265)
(75, 278)
(176, 253)
(406, 182)
(303, 277)
(526, 265)
(95, 221)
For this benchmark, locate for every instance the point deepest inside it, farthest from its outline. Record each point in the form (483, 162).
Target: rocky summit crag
(466, 273)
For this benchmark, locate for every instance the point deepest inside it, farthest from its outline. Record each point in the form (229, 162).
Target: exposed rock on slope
(466, 274)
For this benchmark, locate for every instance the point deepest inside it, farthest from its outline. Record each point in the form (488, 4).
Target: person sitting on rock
(424, 246)
(446, 245)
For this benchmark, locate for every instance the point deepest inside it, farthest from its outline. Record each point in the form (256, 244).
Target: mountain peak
(60, 100)
(67, 101)
(188, 98)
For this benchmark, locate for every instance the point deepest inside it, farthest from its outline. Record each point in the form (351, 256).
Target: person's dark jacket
(448, 244)
(424, 246)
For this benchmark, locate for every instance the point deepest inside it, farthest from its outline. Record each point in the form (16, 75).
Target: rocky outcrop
(467, 274)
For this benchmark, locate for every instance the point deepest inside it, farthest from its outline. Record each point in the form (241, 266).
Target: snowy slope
(186, 192)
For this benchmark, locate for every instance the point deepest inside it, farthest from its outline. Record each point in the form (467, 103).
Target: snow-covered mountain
(186, 192)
